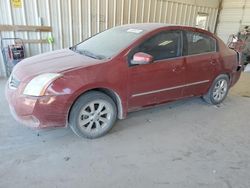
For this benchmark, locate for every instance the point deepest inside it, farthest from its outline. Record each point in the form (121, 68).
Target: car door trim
(170, 88)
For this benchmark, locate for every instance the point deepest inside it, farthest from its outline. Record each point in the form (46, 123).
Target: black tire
(209, 96)
(86, 109)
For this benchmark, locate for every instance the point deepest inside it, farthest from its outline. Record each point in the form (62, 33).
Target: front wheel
(92, 115)
(218, 90)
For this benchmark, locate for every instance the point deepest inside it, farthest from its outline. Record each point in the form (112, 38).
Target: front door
(163, 79)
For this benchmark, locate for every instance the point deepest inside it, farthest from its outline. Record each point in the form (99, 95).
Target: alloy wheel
(220, 90)
(95, 116)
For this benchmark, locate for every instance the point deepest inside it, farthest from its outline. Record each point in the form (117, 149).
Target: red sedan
(120, 70)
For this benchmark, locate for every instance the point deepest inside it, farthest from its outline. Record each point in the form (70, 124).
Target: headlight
(38, 85)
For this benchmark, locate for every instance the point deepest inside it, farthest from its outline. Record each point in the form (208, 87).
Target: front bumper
(38, 112)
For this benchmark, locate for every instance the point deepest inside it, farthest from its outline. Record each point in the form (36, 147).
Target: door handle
(213, 62)
(178, 69)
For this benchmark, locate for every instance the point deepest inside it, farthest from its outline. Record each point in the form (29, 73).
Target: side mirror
(141, 58)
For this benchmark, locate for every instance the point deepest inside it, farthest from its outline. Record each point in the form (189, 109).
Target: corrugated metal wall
(234, 14)
(75, 20)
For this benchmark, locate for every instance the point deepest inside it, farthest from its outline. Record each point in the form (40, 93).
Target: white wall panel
(234, 14)
(75, 20)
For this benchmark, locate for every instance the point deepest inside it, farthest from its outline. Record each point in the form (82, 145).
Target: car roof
(145, 26)
(154, 26)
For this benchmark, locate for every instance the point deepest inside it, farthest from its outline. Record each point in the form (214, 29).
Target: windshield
(108, 43)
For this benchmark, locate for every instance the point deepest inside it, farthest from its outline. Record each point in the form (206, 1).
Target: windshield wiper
(88, 53)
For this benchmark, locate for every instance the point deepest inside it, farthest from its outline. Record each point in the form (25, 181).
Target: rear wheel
(218, 90)
(93, 115)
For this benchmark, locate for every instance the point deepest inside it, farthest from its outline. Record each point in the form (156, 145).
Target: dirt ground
(184, 144)
(242, 88)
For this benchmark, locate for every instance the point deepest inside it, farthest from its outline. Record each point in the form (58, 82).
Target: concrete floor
(184, 144)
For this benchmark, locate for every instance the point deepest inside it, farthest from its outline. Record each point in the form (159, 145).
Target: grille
(13, 82)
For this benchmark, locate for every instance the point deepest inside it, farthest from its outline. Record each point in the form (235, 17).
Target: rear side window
(163, 45)
(198, 43)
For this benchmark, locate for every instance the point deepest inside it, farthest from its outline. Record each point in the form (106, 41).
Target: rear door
(163, 79)
(201, 58)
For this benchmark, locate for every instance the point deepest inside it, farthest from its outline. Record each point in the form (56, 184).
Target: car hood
(57, 61)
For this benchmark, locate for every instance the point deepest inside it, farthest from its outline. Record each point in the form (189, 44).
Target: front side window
(198, 43)
(163, 45)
